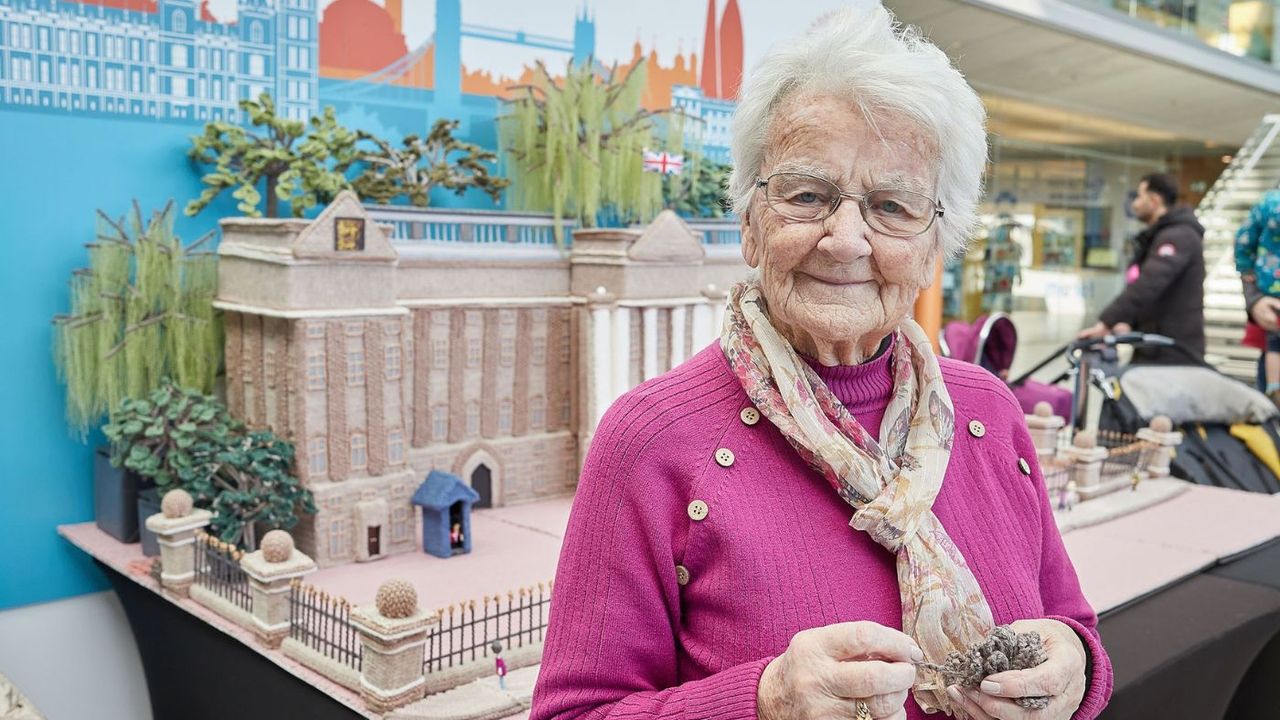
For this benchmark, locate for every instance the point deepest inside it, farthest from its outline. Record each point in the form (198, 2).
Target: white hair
(866, 57)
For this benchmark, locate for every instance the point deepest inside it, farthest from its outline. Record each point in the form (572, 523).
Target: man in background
(1165, 290)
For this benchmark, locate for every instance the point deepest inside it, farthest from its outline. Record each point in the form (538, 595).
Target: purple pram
(990, 342)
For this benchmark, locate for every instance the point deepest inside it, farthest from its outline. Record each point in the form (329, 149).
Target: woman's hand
(826, 671)
(1265, 313)
(1060, 679)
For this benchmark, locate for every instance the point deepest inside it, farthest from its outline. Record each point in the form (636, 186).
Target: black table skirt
(197, 672)
(1206, 648)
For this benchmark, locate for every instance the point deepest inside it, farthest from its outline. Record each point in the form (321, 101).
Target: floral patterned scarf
(891, 484)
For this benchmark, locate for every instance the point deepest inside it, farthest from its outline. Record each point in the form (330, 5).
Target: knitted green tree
(141, 312)
(575, 145)
(301, 163)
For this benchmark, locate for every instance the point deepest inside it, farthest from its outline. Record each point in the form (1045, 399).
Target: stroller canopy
(989, 341)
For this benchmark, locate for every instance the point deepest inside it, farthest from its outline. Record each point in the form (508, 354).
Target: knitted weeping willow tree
(575, 146)
(141, 312)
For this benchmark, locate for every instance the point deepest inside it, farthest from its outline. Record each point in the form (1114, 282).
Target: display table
(1189, 591)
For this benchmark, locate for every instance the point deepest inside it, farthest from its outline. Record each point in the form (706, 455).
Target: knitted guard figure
(1004, 649)
(499, 665)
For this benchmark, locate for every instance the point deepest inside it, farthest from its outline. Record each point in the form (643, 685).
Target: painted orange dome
(359, 35)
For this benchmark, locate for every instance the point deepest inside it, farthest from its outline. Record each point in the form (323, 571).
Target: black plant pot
(148, 505)
(115, 498)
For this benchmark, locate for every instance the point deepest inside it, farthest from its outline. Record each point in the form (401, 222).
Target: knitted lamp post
(1044, 428)
(393, 632)
(271, 569)
(1160, 433)
(175, 527)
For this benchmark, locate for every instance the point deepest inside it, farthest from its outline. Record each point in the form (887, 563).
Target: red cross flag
(663, 162)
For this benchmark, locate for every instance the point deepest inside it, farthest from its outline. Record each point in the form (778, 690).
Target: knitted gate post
(1161, 433)
(1044, 428)
(393, 633)
(1086, 459)
(270, 569)
(175, 527)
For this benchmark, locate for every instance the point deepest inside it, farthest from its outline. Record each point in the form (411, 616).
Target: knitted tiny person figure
(1004, 649)
(500, 665)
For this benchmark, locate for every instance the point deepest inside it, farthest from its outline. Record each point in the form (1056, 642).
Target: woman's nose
(846, 236)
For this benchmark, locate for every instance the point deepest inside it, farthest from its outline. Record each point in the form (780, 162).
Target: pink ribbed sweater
(774, 553)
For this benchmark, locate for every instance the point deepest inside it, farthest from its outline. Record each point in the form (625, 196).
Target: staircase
(1254, 170)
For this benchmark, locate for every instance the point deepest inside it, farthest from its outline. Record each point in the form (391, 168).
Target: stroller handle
(1133, 339)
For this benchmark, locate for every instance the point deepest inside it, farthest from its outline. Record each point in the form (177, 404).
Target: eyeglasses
(808, 198)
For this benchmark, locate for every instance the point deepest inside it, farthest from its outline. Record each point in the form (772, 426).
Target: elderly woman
(711, 567)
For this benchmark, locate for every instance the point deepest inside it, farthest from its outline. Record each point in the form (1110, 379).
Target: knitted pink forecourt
(774, 555)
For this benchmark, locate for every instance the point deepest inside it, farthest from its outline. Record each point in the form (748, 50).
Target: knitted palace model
(384, 360)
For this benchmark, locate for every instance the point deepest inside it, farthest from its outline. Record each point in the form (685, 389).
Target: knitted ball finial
(277, 546)
(1161, 424)
(176, 504)
(1085, 440)
(397, 599)
(1043, 409)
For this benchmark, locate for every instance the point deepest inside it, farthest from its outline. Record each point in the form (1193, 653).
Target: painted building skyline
(159, 59)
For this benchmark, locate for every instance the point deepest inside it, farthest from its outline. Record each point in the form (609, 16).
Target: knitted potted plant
(142, 311)
(155, 438)
(180, 438)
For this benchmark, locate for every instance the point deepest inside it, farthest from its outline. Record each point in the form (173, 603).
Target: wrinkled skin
(836, 288)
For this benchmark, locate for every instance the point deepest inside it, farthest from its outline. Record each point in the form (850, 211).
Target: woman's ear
(750, 245)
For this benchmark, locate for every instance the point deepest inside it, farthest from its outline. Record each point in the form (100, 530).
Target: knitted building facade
(384, 360)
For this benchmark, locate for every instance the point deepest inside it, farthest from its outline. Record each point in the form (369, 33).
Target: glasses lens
(899, 212)
(799, 196)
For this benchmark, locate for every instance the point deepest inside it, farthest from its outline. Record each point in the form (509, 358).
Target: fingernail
(954, 693)
(917, 654)
(990, 688)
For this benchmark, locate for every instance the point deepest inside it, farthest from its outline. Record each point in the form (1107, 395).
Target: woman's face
(837, 282)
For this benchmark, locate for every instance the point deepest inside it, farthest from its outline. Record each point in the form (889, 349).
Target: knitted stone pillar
(175, 527)
(1160, 433)
(393, 634)
(1086, 459)
(1044, 428)
(271, 568)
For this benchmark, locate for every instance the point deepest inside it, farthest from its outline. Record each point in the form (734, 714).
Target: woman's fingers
(863, 641)
(869, 678)
(997, 708)
(1047, 679)
(971, 709)
(886, 706)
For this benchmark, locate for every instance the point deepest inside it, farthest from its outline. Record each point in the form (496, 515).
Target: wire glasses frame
(808, 198)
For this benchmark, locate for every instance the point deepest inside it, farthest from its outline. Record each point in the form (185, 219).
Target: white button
(1024, 466)
(724, 456)
(697, 510)
(682, 575)
(750, 415)
(977, 429)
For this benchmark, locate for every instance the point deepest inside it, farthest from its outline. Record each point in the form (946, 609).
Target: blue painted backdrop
(58, 171)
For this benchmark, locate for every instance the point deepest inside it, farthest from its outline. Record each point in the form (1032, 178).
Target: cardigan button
(724, 456)
(977, 429)
(682, 575)
(1024, 466)
(698, 510)
(750, 416)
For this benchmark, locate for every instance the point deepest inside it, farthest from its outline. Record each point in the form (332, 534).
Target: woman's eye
(807, 198)
(891, 207)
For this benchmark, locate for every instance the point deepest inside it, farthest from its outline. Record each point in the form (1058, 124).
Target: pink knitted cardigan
(773, 554)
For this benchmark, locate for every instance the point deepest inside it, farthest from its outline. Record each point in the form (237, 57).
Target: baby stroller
(990, 342)
(1231, 431)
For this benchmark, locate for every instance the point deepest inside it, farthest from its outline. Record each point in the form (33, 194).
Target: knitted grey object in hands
(1004, 649)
